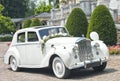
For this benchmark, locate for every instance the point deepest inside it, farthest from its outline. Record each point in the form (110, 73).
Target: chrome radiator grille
(85, 50)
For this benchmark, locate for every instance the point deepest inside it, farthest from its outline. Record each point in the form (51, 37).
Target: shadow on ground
(44, 71)
(76, 74)
(89, 73)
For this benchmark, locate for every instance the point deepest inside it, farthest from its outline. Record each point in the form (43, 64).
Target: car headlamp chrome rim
(97, 45)
(75, 48)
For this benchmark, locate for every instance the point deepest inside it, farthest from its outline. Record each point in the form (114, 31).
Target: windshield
(52, 31)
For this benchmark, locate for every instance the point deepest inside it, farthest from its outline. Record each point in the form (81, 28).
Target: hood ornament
(83, 35)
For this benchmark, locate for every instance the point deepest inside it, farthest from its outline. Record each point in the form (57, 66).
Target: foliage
(1, 8)
(15, 8)
(31, 8)
(27, 23)
(35, 22)
(6, 24)
(77, 23)
(101, 21)
(114, 49)
(43, 8)
(55, 3)
(6, 38)
(63, 1)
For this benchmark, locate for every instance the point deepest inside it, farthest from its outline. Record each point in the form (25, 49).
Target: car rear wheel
(13, 64)
(59, 68)
(101, 67)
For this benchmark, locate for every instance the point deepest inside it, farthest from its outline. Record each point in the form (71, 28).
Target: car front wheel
(59, 68)
(13, 64)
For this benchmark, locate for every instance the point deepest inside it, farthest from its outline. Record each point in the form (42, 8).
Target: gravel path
(111, 73)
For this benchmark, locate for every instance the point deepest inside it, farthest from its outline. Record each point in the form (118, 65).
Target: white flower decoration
(44, 37)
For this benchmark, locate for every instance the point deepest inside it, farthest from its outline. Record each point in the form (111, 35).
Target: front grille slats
(84, 48)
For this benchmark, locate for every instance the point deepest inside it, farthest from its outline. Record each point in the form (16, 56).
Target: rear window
(21, 37)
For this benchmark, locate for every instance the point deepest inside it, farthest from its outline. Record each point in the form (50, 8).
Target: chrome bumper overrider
(88, 63)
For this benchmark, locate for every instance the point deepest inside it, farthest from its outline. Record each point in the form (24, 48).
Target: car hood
(63, 40)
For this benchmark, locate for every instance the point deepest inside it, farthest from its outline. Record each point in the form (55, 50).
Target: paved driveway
(111, 73)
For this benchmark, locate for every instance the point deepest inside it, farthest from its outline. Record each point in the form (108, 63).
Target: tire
(101, 67)
(13, 64)
(59, 68)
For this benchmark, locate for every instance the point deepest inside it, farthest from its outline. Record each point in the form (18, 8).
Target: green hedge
(77, 23)
(6, 38)
(102, 22)
(27, 23)
(36, 22)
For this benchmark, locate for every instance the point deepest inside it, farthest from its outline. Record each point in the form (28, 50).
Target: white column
(114, 9)
(63, 22)
(103, 2)
(61, 11)
(93, 5)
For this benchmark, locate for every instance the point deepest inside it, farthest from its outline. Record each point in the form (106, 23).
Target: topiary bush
(36, 22)
(27, 23)
(77, 23)
(102, 22)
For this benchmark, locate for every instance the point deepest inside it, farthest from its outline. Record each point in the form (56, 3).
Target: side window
(32, 37)
(21, 37)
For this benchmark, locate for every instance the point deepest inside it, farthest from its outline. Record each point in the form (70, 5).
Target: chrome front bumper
(88, 63)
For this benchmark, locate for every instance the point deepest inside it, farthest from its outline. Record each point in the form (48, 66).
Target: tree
(35, 22)
(27, 23)
(55, 3)
(1, 8)
(101, 21)
(15, 8)
(43, 8)
(77, 23)
(31, 8)
(6, 24)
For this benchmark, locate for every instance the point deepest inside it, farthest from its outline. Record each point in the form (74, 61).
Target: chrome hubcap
(58, 67)
(13, 64)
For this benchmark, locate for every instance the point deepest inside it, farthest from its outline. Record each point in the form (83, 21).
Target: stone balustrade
(59, 16)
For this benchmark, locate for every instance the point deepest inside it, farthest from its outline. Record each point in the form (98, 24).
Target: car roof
(37, 28)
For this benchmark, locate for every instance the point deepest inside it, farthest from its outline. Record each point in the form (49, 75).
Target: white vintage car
(52, 46)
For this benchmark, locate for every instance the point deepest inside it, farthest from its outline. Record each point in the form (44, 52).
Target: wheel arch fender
(62, 54)
(103, 49)
(12, 52)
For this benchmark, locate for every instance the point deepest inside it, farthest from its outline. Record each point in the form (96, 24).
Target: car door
(33, 49)
(21, 47)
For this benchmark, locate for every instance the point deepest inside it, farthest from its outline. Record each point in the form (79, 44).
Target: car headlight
(97, 45)
(75, 48)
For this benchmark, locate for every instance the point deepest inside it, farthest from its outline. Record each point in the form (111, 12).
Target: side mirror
(94, 36)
